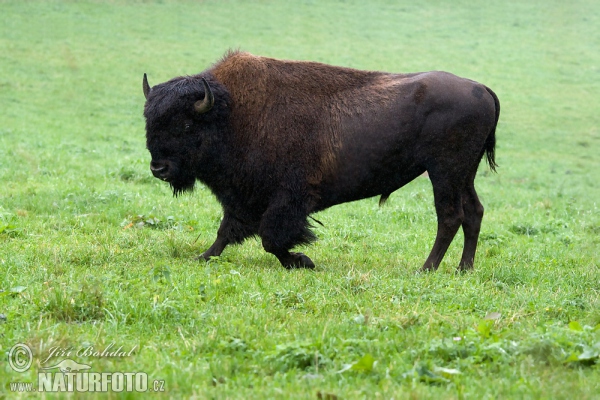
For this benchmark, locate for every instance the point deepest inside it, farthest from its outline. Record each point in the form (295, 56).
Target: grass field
(95, 252)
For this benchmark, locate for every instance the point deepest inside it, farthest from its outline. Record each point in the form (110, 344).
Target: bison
(277, 140)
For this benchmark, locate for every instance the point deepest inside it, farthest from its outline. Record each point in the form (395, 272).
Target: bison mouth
(170, 172)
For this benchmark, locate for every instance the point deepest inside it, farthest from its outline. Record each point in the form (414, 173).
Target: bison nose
(159, 169)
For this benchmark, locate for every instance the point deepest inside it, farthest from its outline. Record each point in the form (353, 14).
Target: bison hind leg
(457, 204)
(473, 211)
(450, 216)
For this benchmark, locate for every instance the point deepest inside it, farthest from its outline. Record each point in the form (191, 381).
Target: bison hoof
(203, 257)
(465, 267)
(298, 260)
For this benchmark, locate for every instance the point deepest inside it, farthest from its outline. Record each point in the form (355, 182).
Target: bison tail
(490, 150)
(490, 143)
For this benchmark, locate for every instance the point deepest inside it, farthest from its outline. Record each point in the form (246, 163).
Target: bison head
(183, 129)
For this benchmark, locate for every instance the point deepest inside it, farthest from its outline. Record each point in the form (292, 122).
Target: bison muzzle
(276, 141)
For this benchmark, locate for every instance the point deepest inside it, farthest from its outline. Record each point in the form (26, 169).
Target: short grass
(94, 251)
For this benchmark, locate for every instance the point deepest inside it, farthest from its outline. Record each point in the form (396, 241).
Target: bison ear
(146, 86)
(204, 105)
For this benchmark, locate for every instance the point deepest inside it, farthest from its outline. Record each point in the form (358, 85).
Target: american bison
(278, 140)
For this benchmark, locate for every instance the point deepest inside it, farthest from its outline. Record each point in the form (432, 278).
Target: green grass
(95, 251)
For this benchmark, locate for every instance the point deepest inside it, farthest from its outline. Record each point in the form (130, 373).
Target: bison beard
(278, 140)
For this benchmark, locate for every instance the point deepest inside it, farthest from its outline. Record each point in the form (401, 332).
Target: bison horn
(204, 105)
(146, 87)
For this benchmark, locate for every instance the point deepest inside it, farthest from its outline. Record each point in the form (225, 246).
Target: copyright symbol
(20, 357)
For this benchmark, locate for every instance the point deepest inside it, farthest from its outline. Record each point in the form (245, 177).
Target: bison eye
(187, 128)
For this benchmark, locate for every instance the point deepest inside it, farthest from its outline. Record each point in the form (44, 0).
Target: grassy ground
(94, 251)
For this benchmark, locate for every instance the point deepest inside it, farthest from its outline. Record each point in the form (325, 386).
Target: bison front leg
(231, 231)
(291, 260)
(284, 226)
(215, 250)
